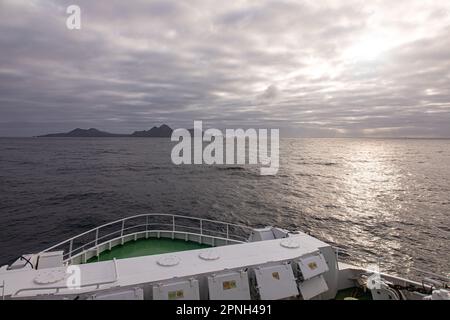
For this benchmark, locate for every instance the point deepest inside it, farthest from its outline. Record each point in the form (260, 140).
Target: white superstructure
(272, 264)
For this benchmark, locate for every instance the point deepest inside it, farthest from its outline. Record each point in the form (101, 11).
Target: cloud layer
(312, 68)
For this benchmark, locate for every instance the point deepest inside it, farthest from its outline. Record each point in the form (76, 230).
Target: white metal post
(201, 231)
(70, 248)
(96, 236)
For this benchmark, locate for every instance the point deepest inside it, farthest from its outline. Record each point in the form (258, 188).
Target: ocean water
(388, 200)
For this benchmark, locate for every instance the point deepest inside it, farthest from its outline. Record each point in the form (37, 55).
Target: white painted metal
(276, 282)
(25, 261)
(47, 276)
(440, 294)
(183, 290)
(50, 259)
(93, 278)
(312, 265)
(229, 286)
(313, 287)
(168, 261)
(128, 294)
(209, 255)
(291, 243)
(262, 234)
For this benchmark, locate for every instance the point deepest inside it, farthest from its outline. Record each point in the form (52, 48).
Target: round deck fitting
(50, 276)
(169, 261)
(290, 243)
(209, 255)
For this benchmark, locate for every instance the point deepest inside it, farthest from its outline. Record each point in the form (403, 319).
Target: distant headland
(163, 131)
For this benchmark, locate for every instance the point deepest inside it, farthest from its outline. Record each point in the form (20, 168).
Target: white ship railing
(137, 225)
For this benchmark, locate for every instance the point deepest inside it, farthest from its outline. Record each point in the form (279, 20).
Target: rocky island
(163, 131)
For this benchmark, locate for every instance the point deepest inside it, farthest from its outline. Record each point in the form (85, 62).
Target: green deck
(146, 247)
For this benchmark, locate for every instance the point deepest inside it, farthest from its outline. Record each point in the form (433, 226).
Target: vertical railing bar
(96, 236)
(201, 231)
(173, 227)
(70, 248)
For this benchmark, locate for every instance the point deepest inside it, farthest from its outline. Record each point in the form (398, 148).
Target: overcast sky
(311, 68)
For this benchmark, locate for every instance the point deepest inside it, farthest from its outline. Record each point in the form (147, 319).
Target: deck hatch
(276, 282)
(229, 286)
(312, 266)
(183, 290)
(313, 287)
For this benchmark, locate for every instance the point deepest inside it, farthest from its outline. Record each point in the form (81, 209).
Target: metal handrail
(141, 232)
(227, 235)
(218, 235)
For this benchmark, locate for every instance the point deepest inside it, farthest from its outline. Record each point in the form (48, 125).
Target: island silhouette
(163, 131)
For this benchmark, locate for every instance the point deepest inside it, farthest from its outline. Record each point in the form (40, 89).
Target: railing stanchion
(70, 248)
(96, 236)
(201, 231)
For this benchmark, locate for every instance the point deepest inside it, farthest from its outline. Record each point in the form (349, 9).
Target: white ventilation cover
(209, 255)
(290, 243)
(169, 261)
(50, 276)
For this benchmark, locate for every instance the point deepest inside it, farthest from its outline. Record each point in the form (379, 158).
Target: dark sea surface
(389, 200)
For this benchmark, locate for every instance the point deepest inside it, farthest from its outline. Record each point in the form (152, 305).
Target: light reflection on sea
(386, 199)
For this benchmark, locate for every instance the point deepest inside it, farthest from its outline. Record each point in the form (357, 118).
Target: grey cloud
(304, 66)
